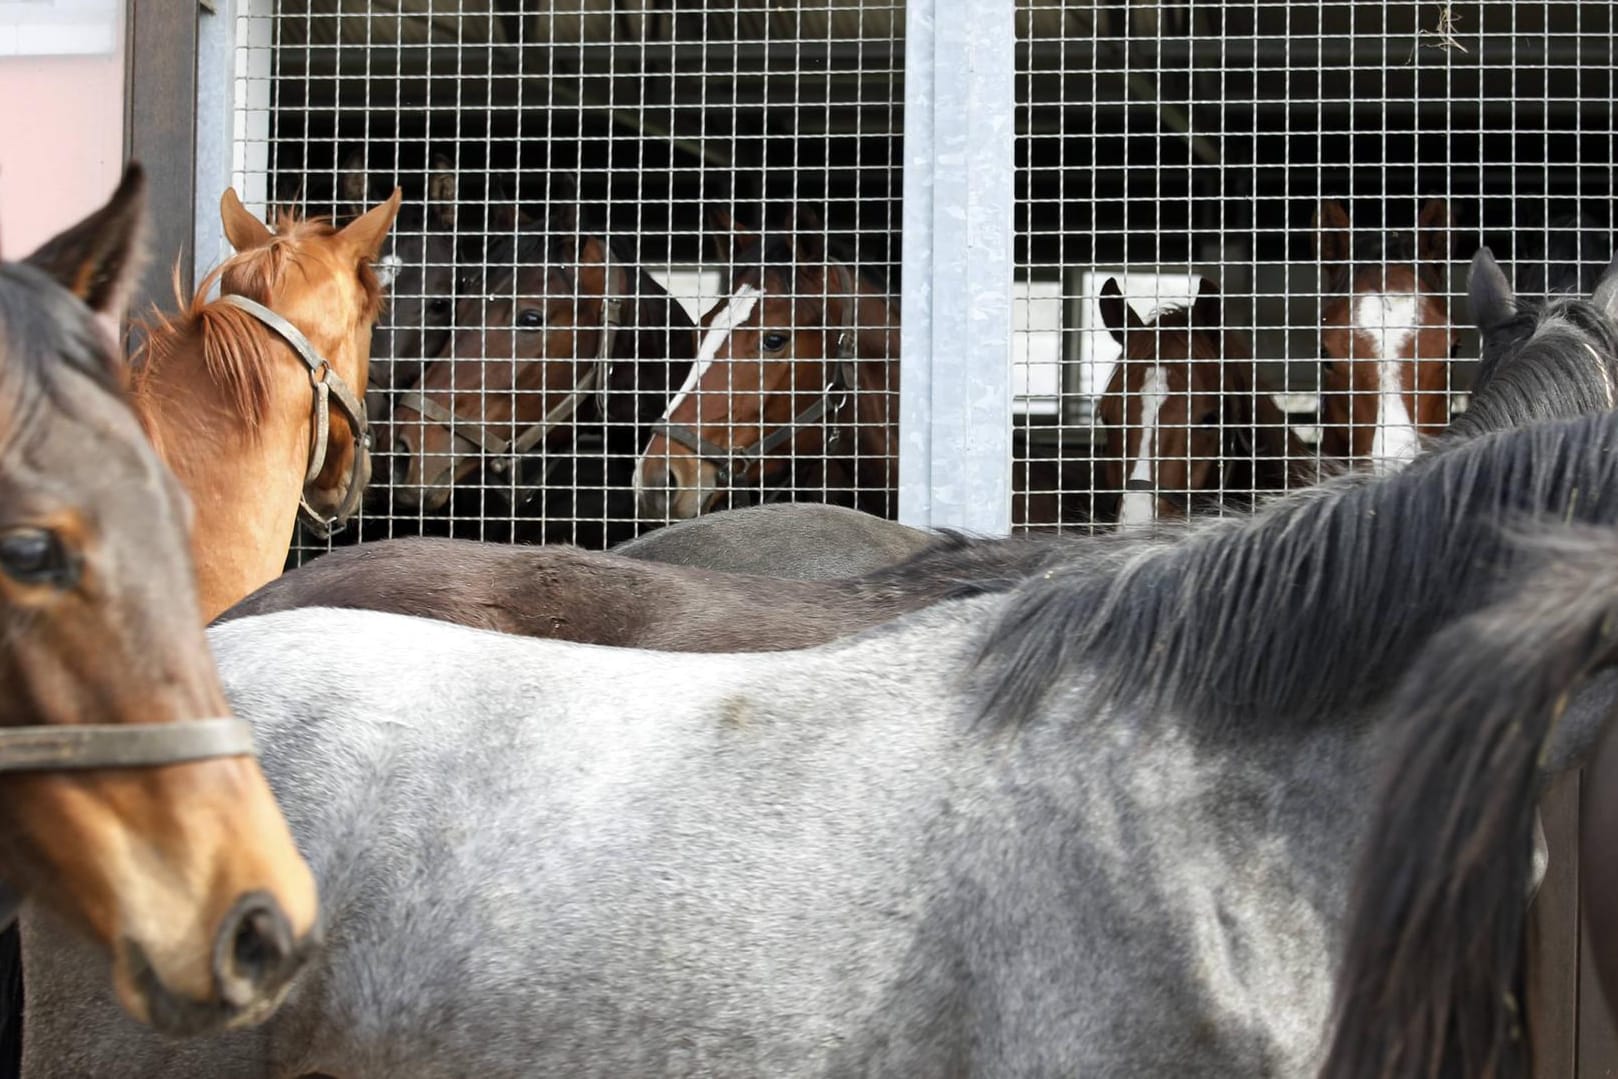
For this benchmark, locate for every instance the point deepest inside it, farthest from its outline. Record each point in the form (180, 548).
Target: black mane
(48, 338)
(1310, 608)
(1539, 365)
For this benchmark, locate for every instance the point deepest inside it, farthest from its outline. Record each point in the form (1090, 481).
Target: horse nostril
(254, 953)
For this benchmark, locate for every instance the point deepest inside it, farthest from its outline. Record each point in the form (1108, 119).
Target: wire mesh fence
(650, 260)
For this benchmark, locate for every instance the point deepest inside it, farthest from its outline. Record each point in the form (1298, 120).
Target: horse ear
(1605, 295)
(443, 193)
(99, 259)
(1334, 244)
(1488, 292)
(242, 229)
(728, 234)
(366, 232)
(1116, 312)
(352, 183)
(1206, 310)
(808, 234)
(1433, 235)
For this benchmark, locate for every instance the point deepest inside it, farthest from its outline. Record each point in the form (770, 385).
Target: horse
(250, 397)
(805, 540)
(571, 338)
(1181, 414)
(132, 805)
(798, 364)
(596, 597)
(1096, 823)
(424, 278)
(1508, 393)
(1386, 336)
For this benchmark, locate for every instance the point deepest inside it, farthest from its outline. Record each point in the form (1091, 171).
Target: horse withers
(1385, 334)
(132, 808)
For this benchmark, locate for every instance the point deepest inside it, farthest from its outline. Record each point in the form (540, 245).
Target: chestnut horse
(570, 338)
(251, 398)
(132, 804)
(1386, 336)
(799, 363)
(1185, 427)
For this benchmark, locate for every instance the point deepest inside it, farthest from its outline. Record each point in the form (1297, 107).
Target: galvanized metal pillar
(235, 64)
(959, 183)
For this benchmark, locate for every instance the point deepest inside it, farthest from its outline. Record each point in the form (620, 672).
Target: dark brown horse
(131, 803)
(569, 340)
(796, 379)
(1186, 428)
(603, 598)
(1385, 335)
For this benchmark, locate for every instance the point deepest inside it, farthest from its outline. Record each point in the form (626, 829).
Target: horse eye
(438, 306)
(530, 317)
(775, 342)
(35, 556)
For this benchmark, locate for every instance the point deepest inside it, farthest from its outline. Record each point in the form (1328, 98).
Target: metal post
(955, 360)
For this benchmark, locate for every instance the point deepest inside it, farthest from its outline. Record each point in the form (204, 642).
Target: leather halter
(842, 381)
(327, 384)
(67, 747)
(507, 453)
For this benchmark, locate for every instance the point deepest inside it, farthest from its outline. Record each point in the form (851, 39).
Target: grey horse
(1102, 824)
(803, 540)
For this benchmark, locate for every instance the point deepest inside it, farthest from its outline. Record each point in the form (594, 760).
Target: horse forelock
(1311, 607)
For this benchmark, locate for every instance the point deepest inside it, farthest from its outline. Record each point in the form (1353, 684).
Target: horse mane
(1312, 606)
(1539, 365)
(45, 337)
(236, 348)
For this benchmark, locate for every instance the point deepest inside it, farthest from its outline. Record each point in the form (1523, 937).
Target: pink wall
(61, 143)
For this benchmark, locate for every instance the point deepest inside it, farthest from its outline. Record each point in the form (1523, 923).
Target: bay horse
(1386, 336)
(1101, 822)
(1185, 428)
(251, 397)
(569, 337)
(132, 808)
(798, 366)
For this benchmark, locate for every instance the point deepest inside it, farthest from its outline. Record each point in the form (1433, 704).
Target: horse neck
(244, 490)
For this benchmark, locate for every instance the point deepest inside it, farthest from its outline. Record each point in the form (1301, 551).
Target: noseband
(508, 453)
(327, 385)
(731, 463)
(67, 747)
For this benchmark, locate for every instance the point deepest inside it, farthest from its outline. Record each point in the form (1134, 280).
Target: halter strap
(327, 385)
(730, 463)
(75, 748)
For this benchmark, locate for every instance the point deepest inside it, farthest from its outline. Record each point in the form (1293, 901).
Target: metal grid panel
(1204, 141)
(523, 136)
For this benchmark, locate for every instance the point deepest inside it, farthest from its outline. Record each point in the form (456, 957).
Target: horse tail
(1439, 906)
(10, 1002)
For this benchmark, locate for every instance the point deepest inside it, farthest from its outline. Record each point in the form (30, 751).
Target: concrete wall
(61, 141)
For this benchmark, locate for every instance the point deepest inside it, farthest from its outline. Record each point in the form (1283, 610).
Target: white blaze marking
(736, 311)
(1140, 507)
(1388, 323)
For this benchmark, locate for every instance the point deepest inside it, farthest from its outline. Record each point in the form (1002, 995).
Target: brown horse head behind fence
(1185, 425)
(569, 334)
(132, 805)
(798, 365)
(254, 398)
(1386, 336)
